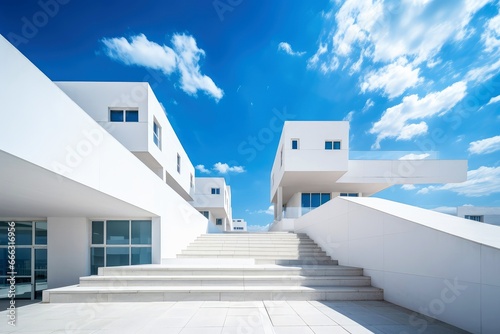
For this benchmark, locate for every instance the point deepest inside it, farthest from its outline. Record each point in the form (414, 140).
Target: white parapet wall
(443, 266)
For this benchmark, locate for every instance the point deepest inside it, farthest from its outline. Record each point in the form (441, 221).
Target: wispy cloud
(224, 168)
(368, 104)
(493, 100)
(393, 79)
(202, 169)
(413, 156)
(183, 57)
(349, 116)
(402, 121)
(484, 146)
(408, 187)
(483, 181)
(287, 48)
(451, 210)
(268, 211)
(258, 228)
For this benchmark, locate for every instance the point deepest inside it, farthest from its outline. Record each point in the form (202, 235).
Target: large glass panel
(23, 287)
(96, 259)
(23, 233)
(23, 261)
(325, 197)
(4, 231)
(97, 233)
(117, 256)
(141, 255)
(141, 232)
(315, 200)
(336, 145)
(40, 282)
(41, 233)
(40, 259)
(4, 261)
(328, 145)
(132, 116)
(117, 232)
(306, 200)
(116, 115)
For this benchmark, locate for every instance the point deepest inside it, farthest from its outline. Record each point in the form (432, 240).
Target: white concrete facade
(212, 197)
(239, 225)
(482, 214)
(443, 266)
(313, 158)
(63, 162)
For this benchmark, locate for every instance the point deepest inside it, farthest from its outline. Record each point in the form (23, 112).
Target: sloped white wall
(429, 262)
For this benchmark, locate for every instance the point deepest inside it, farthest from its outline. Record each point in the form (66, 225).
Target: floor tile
(329, 330)
(293, 330)
(287, 320)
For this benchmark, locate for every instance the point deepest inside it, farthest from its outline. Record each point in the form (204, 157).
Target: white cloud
(284, 46)
(491, 34)
(451, 210)
(393, 79)
(368, 104)
(483, 73)
(493, 100)
(483, 181)
(384, 31)
(268, 211)
(413, 156)
(202, 169)
(224, 168)
(258, 228)
(484, 146)
(349, 116)
(399, 121)
(408, 187)
(184, 57)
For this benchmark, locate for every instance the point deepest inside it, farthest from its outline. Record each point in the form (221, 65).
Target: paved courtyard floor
(287, 317)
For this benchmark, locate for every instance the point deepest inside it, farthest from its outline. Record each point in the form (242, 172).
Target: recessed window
(332, 145)
(178, 163)
(218, 221)
(349, 194)
(132, 116)
(205, 213)
(116, 115)
(295, 144)
(281, 157)
(310, 201)
(157, 134)
(475, 218)
(121, 115)
(191, 182)
(215, 191)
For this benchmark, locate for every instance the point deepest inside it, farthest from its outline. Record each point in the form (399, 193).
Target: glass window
(117, 232)
(295, 144)
(215, 191)
(141, 232)
(4, 233)
(23, 261)
(40, 259)
(98, 232)
(116, 115)
(306, 200)
(23, 233)
(218, 221)
(141, 255)
(41, 233)
(315, 200)
(96, 259)
(328, 145)
(205, 213)
(117, 256)
(4, 261)
(336, 145)
(325, 197)
(157, 134)
(132, 116)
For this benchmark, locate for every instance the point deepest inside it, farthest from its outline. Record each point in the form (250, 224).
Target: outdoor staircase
(230, 267)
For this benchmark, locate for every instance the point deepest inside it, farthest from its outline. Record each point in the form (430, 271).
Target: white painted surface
(239, 223)
(491, 215)
(68, 250)
(424, 260)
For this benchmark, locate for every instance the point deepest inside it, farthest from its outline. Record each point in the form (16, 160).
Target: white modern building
(212, 197)
(239, 225)
(92, 174)
(482, 214)
(312, 166)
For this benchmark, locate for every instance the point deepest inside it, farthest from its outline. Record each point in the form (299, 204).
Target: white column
(278, 209)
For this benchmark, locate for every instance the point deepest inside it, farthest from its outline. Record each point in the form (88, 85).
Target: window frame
(333, 145)
(215, 191)
(157, 133)
(297, 142)
(124, 114)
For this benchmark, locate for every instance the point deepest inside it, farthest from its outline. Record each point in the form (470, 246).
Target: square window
(116, 115)
(141, 232)
(215, 191)
(117, 256)
(117, 232)
(295, 144)
(336, 145)
(141, 255)
(218, 221)
(328, 145)
(132, 116)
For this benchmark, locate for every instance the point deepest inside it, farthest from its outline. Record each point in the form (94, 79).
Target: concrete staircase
(232, 267)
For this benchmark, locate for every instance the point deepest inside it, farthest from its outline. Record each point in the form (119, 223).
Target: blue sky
(413, 76)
